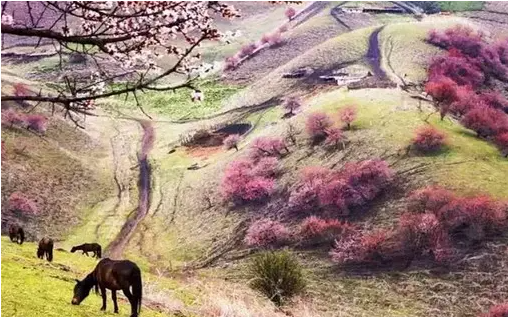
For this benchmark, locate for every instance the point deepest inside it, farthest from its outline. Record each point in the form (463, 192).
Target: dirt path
(373, 56)
(116, 247)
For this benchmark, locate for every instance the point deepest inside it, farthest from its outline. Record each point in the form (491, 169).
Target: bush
(36, 122)
(266, 167)
(277, 275)
(266, 146)
(465, 101)
(264, 233)
(290, 13)
(500, 310)
(347, 115)
(247, 50)
(18, 202)
(241, 185)
(502, 143)
(429, 199)
(231, 142)
(292, 103)
(317, 230)
(12, 118)
(305, 195)
(458, 68)
(494, 99)
(468, 41)
(429, 139)
(334, 136)
(443, 90)
(21, 89)
(486, 121)
(283, 29)
(317, 124)
(360, 248)
(231, 63)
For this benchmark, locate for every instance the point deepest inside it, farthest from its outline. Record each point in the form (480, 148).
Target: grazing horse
(113, 275)
(16, 233)
(89, 247)
(45, 248)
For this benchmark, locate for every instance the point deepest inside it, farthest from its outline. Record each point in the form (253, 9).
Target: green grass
(455, 6)
(178, 105)
(31, 287)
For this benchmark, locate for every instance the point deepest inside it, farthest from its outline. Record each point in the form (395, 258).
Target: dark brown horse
(16, 233)
(45, 248)
(89, 247)
(113, 275)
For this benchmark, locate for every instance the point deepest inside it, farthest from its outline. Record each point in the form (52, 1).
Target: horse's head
(73, 249)
(81, 291)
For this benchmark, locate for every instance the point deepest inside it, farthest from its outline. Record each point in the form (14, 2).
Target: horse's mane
(90, 281)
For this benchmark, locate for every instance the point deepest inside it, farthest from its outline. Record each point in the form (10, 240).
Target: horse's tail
(137, 288)
(21, 235)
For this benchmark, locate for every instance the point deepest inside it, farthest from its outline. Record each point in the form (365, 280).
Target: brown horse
(16, 233)
(45, 248)
(113, 275)
(89, 247)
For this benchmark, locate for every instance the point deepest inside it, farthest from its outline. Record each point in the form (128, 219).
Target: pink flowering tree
(20, 203)
(429, 139)
(129, 35)
(12, 118)
(348, 115)
(241, 183)
(36, 122)
(290, 13)
(500, 310)
(318, 230)
(334, 137)
(317, 124)
(266, 233)
(268, 146)
(231, 142)
(291, 104)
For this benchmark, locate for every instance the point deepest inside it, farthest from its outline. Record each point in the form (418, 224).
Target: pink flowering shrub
(348, 115)
(240, 183)
(283, 29)
(36, 122)
(231, 142)
(266, 167)
(13, 118)
(429, 139)
(268, 146)
(486, 121)
(264, 233)
(334, 136)
(290, 13)
(21, 89)
(360, 248)
(468, 41)
(500, 310)
(248, 49)
(317, 230)
(231, 63)
(429, 199)
(317, 124)
(18, 202)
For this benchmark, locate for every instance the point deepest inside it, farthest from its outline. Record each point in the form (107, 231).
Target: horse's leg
(113, 296)
(103, 294)
(132, 301)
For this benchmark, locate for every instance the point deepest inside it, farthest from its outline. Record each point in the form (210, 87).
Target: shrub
(36, 122)
(304, 196)
(266, 146)
(502, 143)
(317, 124)
(241, 185)
(231, 142)
(347, 115)
(466, 100)
(369, 177)
(277, 275)
(317, 230)
(231, 63)
(11, 118)
(283, 29)
(21, 89)
(292, 103)
(459, 69)
(18, 202)
(494, 99)
(263, 233)
(248, 49)
(500, 310)
(468, 41)
(429, 139)
(290, 13)
(334, 136)
(429, 199)
(266, 167)
(360, 248)
(443, 90)
(275, 39)
(486, 121)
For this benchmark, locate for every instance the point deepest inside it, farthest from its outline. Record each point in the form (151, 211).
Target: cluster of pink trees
(319, 125)
(436, 221)
(18, 202)
(35, 122)
(339, 191)
(457, 81)
(500, 310)
(265, 233)
(316, 230)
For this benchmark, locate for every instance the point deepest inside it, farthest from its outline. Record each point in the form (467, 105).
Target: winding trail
(116, 247)
(373, 56)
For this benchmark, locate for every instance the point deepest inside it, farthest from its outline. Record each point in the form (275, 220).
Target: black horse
(113, 275)
(89, 247)
(16, 234)
(45, 248)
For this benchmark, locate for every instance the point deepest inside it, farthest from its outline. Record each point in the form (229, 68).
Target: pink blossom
(266, 232)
